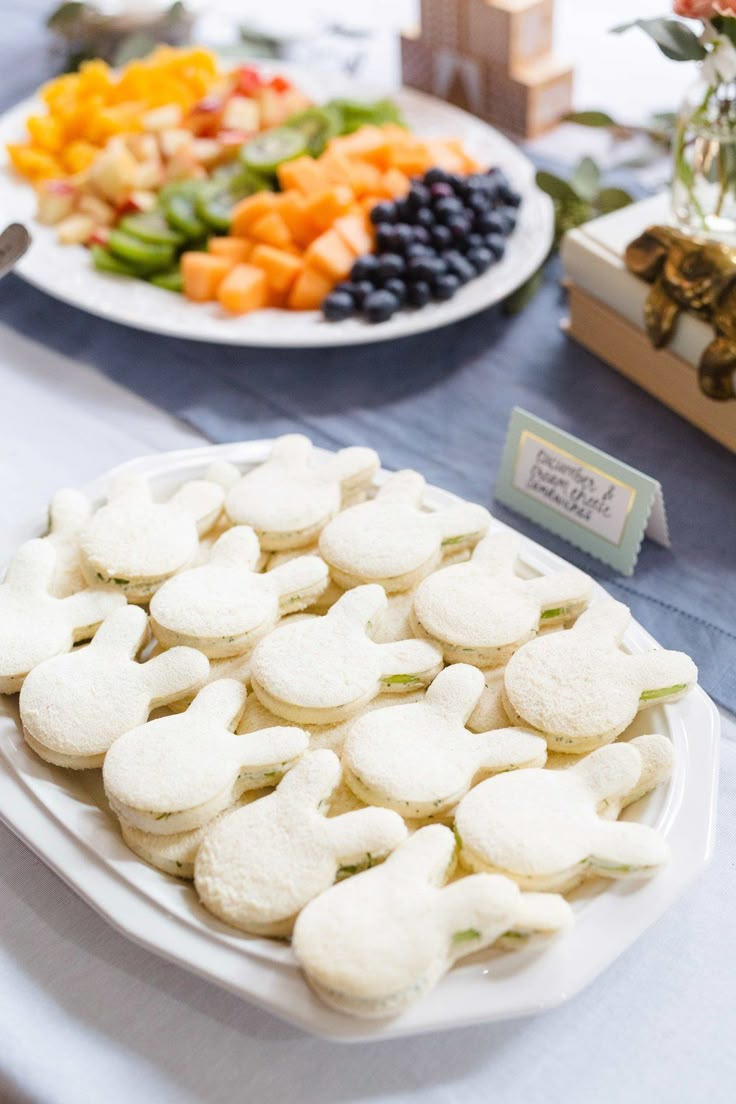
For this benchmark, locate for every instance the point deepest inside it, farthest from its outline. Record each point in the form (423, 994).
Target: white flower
(720, 64)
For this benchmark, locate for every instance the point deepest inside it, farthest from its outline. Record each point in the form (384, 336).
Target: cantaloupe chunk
(281, 268)
(250, 210)
(395, 184)
(353, 229)
(293, 210)
(331, 255)
(444, 156)
(336, 167)
(244, 289)
(309, 290)
(369, 142)
(235, 249)
(365, 177)
(304, 174)
(409, 159)
(202, 274)
(324, 207)
(272, 230)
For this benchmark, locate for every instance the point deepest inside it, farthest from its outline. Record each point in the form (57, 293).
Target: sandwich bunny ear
(541, 912)
(122, 633)
(620, 848)
(456, 691)
(88, 608)
(357, 835)
(202, 500)
(359, 606)
(303, 574)
(222, 702)
(663, 676)
(610, 772)
(130, 490)
(353, 468)
(32, 568)
(223, 473)
(657, 759)
(178, 670)
(560, 589)
(405, 487)
(471, 906)
(497, 552)
(237, 547)
(291, 450)
(406, 662)
(313, 780)
(427, 856)
(462, 525)
(68, 512)
(603, 622)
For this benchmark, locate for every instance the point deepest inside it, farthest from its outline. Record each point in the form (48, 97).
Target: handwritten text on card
(575, 490)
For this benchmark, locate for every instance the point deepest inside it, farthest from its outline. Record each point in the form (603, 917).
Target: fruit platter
(241, 206)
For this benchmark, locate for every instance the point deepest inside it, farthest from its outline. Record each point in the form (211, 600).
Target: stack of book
(607, 317)
(493, 58)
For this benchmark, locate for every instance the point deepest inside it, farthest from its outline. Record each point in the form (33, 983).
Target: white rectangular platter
(63, 817)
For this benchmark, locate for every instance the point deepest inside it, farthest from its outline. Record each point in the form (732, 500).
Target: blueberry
(390, 265)
(445, 286)
(459, 266)
(385, 238)
(379, 306)
(402, 211)
(498, 177)
(422, 235)
(418, 294)
(338, 305)
(480, 258)
(479, 202)
(398, 288)
(497, 245)
(436, 176)
(441, 190)
(418, 196)
(441, 236)
(424, 216)
(507, 216)
(418, 249)
(365, 268)
(447, 207)
(459, 227)
(358, 289)
(509, 196)
(490, 223)
(425, 268)
(403, 235)
(475, 241)
(383, 212)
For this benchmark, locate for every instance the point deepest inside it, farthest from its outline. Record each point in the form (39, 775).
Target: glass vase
(704, 171)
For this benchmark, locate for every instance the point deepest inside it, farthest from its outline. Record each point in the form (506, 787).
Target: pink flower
(694, 9)
(725, 7)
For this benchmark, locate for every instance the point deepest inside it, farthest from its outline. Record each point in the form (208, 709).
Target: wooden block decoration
(661, 372)
(531, 99)
(460, 80)
(507, 32)
(443, 22)
(417, 61)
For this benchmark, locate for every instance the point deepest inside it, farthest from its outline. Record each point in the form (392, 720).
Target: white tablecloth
(87, 1016)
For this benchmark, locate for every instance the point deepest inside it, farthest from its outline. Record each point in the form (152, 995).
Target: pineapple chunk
(75, 229)
(162, 118)
(115, 173)
(56, 200)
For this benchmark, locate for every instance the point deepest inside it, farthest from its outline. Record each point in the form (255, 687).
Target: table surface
(86, 1015)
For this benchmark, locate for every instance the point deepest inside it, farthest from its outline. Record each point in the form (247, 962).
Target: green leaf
(586, 178)
(523, 295)
(612, 199)
(675, 39)
(555, 186)
(725, 25)
(589, 118)
(63, 18)
(133, 46)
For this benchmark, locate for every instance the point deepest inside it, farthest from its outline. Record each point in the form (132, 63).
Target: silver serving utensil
(14, 241)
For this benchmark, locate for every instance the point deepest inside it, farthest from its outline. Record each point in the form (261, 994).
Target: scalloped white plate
(66, 272)
(63, 817)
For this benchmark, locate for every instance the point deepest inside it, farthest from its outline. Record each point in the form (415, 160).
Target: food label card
(578, 492)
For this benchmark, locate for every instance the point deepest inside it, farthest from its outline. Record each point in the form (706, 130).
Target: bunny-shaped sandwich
(391, 540)
(325, 669)
(481, 611)
(69, 513)
(178, 772)
(136, 544)
(34, 624)
(224, 606)
(550, 829)
(73, 707)
(289, 499)
(259, 865)
(581, 690)
(421, 759)
(373, 944)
